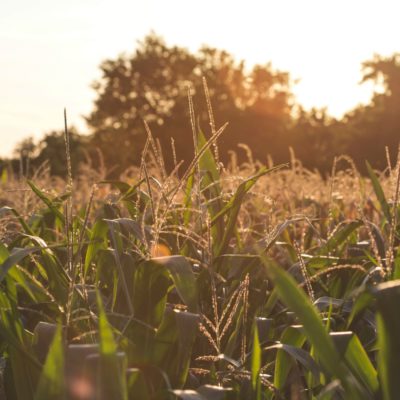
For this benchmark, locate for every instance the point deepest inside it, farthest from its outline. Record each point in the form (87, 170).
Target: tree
(152, 84)
(372, 127)
(51, 149)
(317, 138)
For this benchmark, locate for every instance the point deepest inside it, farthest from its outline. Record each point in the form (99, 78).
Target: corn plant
(176, 287)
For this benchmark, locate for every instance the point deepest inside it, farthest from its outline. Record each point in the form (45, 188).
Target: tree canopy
(152, 85)
(369, 128)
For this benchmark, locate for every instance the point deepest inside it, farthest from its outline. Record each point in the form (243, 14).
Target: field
(208, 282)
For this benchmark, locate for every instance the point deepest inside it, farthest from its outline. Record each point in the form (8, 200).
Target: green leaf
(137, 387)
(362, 301)
(379, 193)
(110, 366)
(108, 374)
(210, 185)
(387, 297)
(51, 383)
(57, 277)
(183, 278)
(151, 285)
(17, 275)
(293, 336)
(23, 366)
(172, 348)
(46, 200)
(315, 331)
(396, 269)
(133, 227)
(298, 302)
(24, 374)
(6, 209)
(341, 234)
(232, 208)
(187, 326)
(117, 242)
(302, 356)
(360, 364)
(107, 342)
(14, 258)
(98, 238)
(207, 164)
(256, 362)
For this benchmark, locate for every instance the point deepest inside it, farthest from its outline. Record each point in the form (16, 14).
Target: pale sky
(50, 50)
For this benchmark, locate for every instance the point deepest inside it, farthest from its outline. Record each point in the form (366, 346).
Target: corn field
(206, 282)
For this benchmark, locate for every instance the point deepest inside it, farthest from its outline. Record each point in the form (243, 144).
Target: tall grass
(210, 282)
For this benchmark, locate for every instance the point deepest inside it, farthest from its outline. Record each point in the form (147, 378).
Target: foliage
(176, 287)
(152, 84)
(52, 149)
(379, 120)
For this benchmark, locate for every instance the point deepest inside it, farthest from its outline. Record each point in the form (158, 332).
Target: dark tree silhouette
(51, 149)
(372, 127)
(152, 84)
(316, 139)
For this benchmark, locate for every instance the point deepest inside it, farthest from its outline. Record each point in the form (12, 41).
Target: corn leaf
(51, 383)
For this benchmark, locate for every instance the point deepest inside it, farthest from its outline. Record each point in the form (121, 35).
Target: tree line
(152, 84)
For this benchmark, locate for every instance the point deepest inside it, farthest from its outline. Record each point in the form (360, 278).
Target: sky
(50, 50)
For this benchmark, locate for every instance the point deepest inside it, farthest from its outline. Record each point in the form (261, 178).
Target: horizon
(54, 51)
